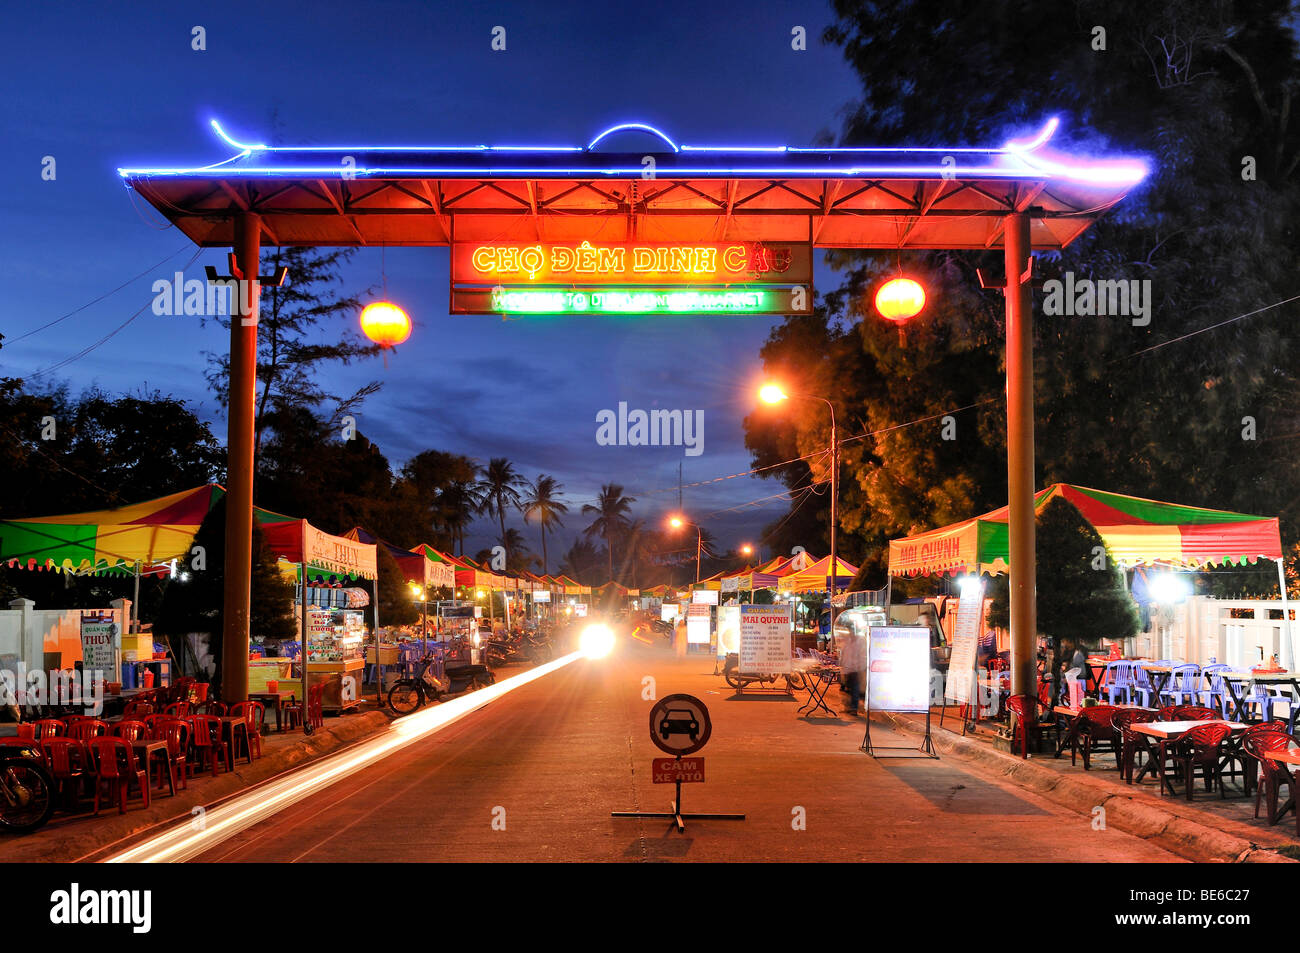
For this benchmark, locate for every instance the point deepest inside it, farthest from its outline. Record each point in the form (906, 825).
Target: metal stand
(926, 747)
(676, 813)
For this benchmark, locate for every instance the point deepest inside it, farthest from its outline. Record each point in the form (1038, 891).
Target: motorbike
(739, 680)
(410, 694)
(531, 647)
(26, 789)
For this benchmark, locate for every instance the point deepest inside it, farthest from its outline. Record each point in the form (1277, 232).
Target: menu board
(965, 639)
(899, 663)
(728, 630)
(699, 624)
(765, 639)
(98, 644)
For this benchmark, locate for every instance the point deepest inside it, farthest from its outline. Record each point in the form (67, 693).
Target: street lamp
(774, 394)
(677, 522)
(421, 595)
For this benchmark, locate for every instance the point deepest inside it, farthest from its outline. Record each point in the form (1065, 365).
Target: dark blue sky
(97, 90)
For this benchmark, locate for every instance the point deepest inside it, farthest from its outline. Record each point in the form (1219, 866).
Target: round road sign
(679, 724)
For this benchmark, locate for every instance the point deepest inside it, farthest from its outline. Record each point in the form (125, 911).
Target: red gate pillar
(1020, 455)
(239, 459)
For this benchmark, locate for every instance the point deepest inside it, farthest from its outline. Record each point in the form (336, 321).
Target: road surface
(534, 776)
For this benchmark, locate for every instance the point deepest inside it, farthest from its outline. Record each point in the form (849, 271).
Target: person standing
(853, 666)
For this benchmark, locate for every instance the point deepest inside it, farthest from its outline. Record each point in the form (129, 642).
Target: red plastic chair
(47, 728)
(1196, 713)
(1096, 728)
(1024, 719)
(131, 731)
(254, 715)
(154, 723)
(1200, 747)
(137, 709)
(209, 707)
(206, 741)
(178, 710)
(70, 765)
(315, 708)
(1131, 743)
(115, 766)
(1168, 713)
(87, 729)
(1272, 774)
(177, 733)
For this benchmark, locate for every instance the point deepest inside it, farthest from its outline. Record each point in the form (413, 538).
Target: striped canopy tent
(711, 582)
(1136, 531)
(573, 587)
(414, 566)
(441, 571)
(611, 588)
(330, 560)
(141, 537)
(817, 577)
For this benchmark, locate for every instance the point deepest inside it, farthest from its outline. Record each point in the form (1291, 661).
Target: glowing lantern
(900, 299)
(386, 324)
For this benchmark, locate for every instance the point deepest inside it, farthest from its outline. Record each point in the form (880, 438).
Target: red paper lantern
(385, 323)
(900, 299)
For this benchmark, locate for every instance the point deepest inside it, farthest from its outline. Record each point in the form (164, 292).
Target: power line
(106, 294)
(86, 350)
(1212, 327)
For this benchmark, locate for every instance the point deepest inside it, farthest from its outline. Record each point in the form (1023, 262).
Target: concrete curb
(84, 838)
(1181, 831)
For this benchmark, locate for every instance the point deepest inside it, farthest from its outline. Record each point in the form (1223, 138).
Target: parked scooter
(739, 680)
(26, 789)
(410, 694)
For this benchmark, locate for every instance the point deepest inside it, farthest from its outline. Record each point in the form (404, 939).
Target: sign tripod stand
(679, 725)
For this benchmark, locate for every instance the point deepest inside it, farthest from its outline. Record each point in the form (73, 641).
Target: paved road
(549, 761)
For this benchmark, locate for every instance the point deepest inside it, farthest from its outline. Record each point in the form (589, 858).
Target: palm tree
(611, 511)
(498, 489)
(518, 558)
(457, 505)
(543, 502)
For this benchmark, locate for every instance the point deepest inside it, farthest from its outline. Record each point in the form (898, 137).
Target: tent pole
(135, 601)
(1286, 647)
(1020, 452)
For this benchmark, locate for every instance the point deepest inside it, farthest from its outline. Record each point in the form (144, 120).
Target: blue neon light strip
(1019, 156)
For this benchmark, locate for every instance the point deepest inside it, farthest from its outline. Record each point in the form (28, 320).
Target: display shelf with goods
(335, 641)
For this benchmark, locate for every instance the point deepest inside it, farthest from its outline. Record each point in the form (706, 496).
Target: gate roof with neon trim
(837, 197)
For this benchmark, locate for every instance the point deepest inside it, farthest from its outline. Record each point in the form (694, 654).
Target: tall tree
(544, 506)
(499, 488)
(610, 512)
(298, 335)
(457, 506)
(1201, 88)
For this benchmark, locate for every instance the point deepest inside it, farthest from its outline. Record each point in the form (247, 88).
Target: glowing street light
(773, 393)
(677, 522)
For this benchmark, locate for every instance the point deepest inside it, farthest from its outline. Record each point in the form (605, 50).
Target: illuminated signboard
(631, 263)
(632, 278)
(739, 299)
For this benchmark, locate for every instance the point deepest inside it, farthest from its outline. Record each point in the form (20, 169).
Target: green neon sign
(633, 300)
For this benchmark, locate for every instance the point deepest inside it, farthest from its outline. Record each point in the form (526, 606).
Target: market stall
(332, 638)
(1136, 532)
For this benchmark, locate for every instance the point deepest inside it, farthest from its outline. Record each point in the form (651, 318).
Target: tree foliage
(1203, 90)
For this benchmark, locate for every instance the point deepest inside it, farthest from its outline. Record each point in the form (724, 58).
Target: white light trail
(189, 839)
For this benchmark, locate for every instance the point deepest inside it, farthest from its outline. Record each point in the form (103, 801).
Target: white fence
(43, 639)
(1238, 632)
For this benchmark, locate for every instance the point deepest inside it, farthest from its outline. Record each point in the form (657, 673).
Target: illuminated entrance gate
(686, 200)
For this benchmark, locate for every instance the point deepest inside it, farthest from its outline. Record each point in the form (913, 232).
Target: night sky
(124, 88)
